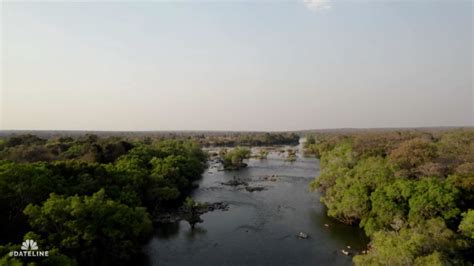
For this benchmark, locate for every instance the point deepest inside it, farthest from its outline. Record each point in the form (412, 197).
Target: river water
(260, 227)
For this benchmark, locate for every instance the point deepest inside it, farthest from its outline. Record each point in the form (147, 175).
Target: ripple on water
(260, 227)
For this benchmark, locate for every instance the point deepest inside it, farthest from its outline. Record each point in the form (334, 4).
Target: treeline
(248, 139)
(89, 200)
(412, 192)
(205, 139)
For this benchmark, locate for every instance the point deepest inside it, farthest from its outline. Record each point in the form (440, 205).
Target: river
(260, 227)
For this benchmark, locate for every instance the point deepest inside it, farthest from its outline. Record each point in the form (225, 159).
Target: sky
(236, 65)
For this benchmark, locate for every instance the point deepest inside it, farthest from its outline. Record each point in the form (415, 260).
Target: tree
(434, 259)
(456, 147)
(431, 198)
(373, 172)
(3, 144)
(90, 228)
(114, 149)
(310, 140)
(428, 241)
(27, 139)
(348, 200)
(463, 180)
(76, 219)
(466, 227)
(28, 153)
(394, 184)
(412, 154)
(21, 184)
(192, 212)
(389, 207)
(334, 163)
(79, 177)
(233, 159)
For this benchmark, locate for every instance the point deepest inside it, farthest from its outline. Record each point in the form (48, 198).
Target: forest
(412, 192)
(95, 200)
(248, 139)
(204, 138)
(89, 200)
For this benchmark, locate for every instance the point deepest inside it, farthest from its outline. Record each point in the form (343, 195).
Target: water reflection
(260, 227)
(167, 230)
(193, 234)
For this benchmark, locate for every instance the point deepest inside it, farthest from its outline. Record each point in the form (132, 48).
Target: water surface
(259, 228)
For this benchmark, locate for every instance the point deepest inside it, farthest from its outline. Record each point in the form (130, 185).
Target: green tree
(90, 228)
(3, 144)
(28, 153)
(334, 163)
(463, 180)
(389, 207)
(434, 259)
(394, 184)
(27, 139)
(411, 246)
(21, 184)
(348, 200)
(432, 198)
(234, 158)
(466, 227)
(373, 172)
(192, 212)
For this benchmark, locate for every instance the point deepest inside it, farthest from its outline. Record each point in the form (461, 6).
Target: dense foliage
(249, 139)
(411, 191)
(234, 159)
(192, 211)
(89, 200)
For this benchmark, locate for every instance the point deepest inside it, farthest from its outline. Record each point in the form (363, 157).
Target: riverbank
(260, 227)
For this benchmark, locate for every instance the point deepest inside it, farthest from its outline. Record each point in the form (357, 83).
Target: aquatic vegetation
(233, 159)
(262, 154)
(291, 155)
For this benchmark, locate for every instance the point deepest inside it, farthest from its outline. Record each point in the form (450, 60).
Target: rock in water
(234, 183)
(252, 189)
(303, 235)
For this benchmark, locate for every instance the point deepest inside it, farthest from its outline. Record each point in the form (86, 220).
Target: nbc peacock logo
(29, 245)
(29, 248)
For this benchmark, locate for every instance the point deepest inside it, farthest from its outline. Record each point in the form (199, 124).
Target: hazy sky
(236, 65)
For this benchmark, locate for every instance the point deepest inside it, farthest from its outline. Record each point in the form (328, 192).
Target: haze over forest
(236, 66)
(144, 132)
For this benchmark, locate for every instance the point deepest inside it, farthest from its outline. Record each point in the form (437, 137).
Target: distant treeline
(249, 139)
(411, 191)
(206, 139)
(89, 200)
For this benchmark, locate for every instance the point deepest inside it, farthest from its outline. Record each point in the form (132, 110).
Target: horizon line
(223, 130)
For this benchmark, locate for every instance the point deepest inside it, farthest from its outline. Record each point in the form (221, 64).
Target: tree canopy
(92, 198)
(411, 191)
